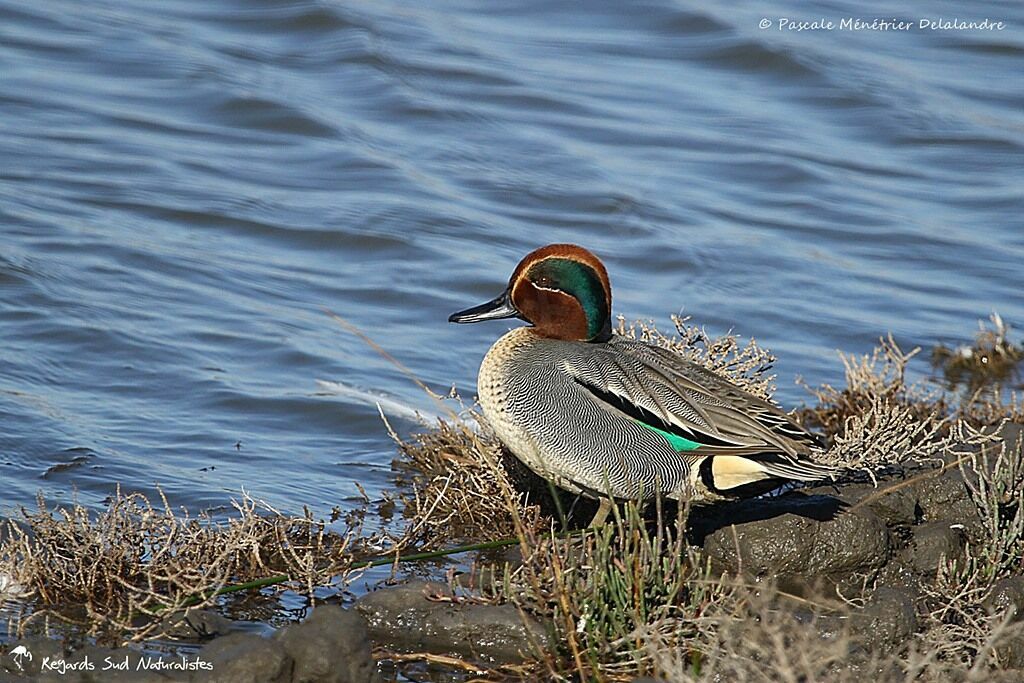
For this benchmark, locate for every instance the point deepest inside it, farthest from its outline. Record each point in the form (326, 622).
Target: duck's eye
(545, 282)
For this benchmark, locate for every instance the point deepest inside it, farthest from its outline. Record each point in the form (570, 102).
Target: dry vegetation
(991, 361)
(130, 572)
(456, 489)
(752, 635)
(960, 622)
(747, 365)
(987, 374)
(631, 598)
(877, 419)
(607, 593)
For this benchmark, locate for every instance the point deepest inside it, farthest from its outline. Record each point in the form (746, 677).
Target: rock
(887, 622)
(198, 624)
(862, 664)
(894, 504)
(1007, 594)
(331, 646)
(933, 543)
(245, 658)
(792, 545)
(944, 497)
(900, 575)
(1013, 435)
(402, 618)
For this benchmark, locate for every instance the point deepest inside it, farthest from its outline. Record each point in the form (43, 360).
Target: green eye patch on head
(578, 280)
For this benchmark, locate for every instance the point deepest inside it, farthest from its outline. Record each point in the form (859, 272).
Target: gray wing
(686, 399)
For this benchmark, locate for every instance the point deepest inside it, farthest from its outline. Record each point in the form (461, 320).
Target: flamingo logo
(19, 653)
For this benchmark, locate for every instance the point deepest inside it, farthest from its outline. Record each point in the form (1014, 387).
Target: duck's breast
(555, 427)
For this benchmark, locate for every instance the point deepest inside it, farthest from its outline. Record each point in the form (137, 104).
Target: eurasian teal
(600, 414)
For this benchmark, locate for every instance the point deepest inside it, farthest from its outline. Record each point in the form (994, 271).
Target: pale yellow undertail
(730, 471)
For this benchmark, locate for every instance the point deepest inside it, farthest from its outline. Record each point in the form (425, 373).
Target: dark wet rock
(900, 575)
(198, 624)
(894, 504)
(802, 538)
(933, 543)
(1013, 435)
(403, 618)
(245, 658)
(944, 497)
(865, 665)
(886, 623)
(331, 646)
(883, 626)
(1007, 594)
(705, 520)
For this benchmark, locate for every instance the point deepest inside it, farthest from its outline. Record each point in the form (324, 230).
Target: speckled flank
(537, 412)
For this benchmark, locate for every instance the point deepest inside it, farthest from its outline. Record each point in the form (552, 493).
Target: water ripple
(189, 186)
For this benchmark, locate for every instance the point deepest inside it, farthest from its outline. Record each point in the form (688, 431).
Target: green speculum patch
(674, 440)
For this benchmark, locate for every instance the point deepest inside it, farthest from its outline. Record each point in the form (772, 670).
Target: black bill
(501, 307)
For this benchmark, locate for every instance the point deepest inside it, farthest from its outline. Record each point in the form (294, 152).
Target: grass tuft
(454, 488)
(121, 573)
(991, 360)
(607, 594)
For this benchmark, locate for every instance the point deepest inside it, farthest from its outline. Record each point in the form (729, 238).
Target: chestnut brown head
(561, 289)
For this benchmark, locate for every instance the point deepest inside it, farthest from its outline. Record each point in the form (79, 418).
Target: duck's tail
(724, 473)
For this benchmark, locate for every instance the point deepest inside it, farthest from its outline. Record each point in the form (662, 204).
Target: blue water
(186, 187)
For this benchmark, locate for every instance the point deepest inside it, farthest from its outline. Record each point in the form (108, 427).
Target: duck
(613, 418)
